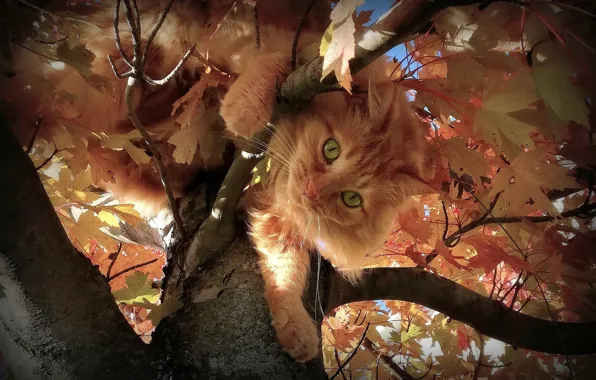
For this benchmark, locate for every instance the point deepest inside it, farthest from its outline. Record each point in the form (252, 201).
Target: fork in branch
(136, 75)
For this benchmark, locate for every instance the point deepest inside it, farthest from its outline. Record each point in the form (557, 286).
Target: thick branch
(489, 317)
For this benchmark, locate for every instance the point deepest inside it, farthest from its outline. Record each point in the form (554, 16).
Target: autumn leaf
(86, 229)
(338, 52)
(411, 222)
(73, 188)
(102, 167)
(164, 309)
(124, 141)
(524, 179)
(493, 119)
(463, 159)
(490, 254)
(552, 77)
(139, 289)
(412, 332)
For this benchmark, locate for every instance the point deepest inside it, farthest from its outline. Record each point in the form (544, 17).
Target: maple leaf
(524, 178)
(412, 332)
(493, 119)
(139, 289)
(123, 141)
(490, 254)
(86, 229)
(411, 223)
(552, 77)
(80, 58)
(463, 159)
(74, 188)
(338, 52)
(462, 339)
(579, 149)
(101, 166)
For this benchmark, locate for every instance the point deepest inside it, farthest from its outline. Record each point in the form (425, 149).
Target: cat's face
(351, 163)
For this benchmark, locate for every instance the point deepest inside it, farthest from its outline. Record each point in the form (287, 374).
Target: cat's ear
(386, 104)
(380, 100)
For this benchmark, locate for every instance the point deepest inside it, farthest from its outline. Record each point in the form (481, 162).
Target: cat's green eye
(351, 198)
(331, 150)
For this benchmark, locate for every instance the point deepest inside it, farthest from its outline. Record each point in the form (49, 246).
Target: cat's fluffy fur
(381, 145)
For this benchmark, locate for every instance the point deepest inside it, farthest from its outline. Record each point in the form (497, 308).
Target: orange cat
(340, 169)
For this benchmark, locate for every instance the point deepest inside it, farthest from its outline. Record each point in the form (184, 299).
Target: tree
(499, 245)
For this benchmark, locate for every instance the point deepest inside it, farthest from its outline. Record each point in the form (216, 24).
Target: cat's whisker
(282, 139)
(264, 124)
(317, 295)
(310, 218)
(290, 140)
(272, 153)
(287, 159)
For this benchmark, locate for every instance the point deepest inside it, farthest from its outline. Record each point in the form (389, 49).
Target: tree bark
(58, 319)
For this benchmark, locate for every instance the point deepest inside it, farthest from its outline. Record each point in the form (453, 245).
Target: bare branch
(298, 32)
(45, 162)
(161, 82)
(388, 361)
(34, 136)
(489, 317)
(341, 367)
(116, 254)
(156, 29)
(135, 76)
(117, 34)
(131, 268)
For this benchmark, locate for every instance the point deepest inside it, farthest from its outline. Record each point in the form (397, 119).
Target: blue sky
(379, 7)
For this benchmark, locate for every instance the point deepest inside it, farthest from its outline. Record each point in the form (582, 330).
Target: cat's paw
(249, 102)
(298, 336)
(244, 114)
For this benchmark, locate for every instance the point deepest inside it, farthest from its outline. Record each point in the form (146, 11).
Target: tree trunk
(58, 319)
(224, 329)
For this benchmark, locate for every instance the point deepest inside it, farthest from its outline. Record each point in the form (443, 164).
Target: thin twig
(446, 221)
(131, 268)
(117, 253)
(387, 361)
(339, 364)
(45, 162)
(34, 136)
(557, 330)
(341, 367)
(156, 29)
(298, 32)
(492, 290)
(521, 273)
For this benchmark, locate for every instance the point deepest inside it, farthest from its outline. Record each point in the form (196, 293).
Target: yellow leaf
(327, 36)
(342, 46)
(412, 332)
(87, 227)
(123, 141)
(108, 218)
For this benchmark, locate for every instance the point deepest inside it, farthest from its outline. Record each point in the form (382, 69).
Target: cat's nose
(311, 191)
